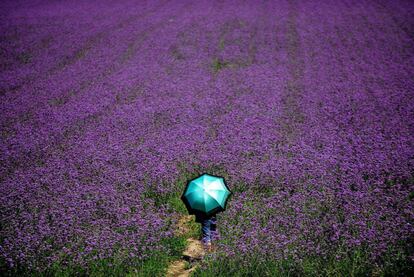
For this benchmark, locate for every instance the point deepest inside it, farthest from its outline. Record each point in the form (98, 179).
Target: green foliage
(187, 265)
(155, 265)
(219, 64)
(175, 245)
(224, 266)
(195, 230)
(176, 204)
(356, 264)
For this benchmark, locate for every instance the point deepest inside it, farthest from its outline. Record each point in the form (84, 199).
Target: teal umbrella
(206, 194)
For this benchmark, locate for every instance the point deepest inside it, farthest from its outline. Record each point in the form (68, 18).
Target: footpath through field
(192, 255)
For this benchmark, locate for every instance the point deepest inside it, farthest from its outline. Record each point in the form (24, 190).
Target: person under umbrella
(208, 229)
(204, 197)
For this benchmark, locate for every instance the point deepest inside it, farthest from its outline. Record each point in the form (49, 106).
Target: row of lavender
(348, 181)
(69, 191)
(304, 101)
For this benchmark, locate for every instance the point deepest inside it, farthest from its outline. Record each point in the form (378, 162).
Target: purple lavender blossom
(305, 106)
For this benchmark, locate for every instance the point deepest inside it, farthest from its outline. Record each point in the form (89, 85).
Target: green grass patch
(219, 64)
(356, 264)
(155, 265)
(194, 229)
(224, 266)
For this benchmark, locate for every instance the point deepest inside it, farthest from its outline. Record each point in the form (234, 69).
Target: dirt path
(191, 255)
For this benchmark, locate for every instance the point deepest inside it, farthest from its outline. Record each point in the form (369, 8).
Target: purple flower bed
(305, 107)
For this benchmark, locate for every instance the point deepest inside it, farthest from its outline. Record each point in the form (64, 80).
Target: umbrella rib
(211, 198)
(219, 191)
(186, 196)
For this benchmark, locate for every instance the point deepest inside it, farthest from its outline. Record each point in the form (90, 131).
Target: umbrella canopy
(206, 194)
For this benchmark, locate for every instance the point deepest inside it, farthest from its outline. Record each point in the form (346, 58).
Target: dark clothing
(200, 217)
(213, 224)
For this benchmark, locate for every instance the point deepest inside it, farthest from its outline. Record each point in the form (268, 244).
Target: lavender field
(306, 108)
